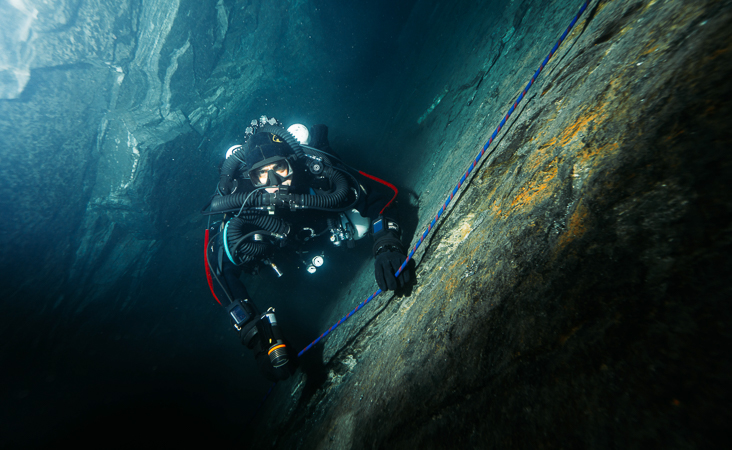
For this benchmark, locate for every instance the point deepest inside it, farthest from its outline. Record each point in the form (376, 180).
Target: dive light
(273, 340)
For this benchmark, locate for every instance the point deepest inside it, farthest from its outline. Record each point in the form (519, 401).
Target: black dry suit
(324, 200)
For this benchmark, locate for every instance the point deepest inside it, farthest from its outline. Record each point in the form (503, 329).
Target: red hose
(208, 267)
(385, 183)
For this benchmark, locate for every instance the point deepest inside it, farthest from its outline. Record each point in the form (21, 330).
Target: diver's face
(281, 169)
(262, 173)
(272, 175)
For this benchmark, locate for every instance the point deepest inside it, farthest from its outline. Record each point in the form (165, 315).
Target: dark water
(162, 360)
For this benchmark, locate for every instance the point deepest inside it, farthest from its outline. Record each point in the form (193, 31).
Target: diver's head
(269, 159)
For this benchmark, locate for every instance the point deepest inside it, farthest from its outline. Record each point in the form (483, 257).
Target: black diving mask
(271, 172)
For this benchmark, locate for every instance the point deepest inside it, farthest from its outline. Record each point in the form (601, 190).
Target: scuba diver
(286, 190)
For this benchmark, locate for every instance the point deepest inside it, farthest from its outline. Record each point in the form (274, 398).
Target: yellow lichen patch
(582, 125)
(587, 154)
(540, 156)
(576, 227)
(537, 190)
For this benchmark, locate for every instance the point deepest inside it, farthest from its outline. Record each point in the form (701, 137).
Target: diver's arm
(376, 204)
(388, 250)
(257, 331)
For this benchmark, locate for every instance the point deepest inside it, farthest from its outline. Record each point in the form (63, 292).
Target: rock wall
(575, 294)
(120, 83)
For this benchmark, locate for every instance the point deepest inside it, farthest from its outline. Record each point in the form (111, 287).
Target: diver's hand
(386, 264)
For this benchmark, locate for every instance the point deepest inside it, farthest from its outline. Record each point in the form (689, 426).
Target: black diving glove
(386, 265)
(389, 255)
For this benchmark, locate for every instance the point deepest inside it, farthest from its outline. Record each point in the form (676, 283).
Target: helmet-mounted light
(232, 150)
(300, 132)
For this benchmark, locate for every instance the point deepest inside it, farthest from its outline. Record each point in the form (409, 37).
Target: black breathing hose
(294, 201)
(266, 222)
(332, 201)
(230, 167)
(236, 236)
(223, 203)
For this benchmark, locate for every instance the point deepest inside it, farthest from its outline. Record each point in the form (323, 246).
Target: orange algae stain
(537, 190)
(538, 158)
(449, 280)
(541, 185)
(673, 135)
(576, 227)
(582, 125)
(588, 154)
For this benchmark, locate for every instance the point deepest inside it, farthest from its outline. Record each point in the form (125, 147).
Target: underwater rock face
(15, 57)
(576, 294)
(95, 135)
(110, 122)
